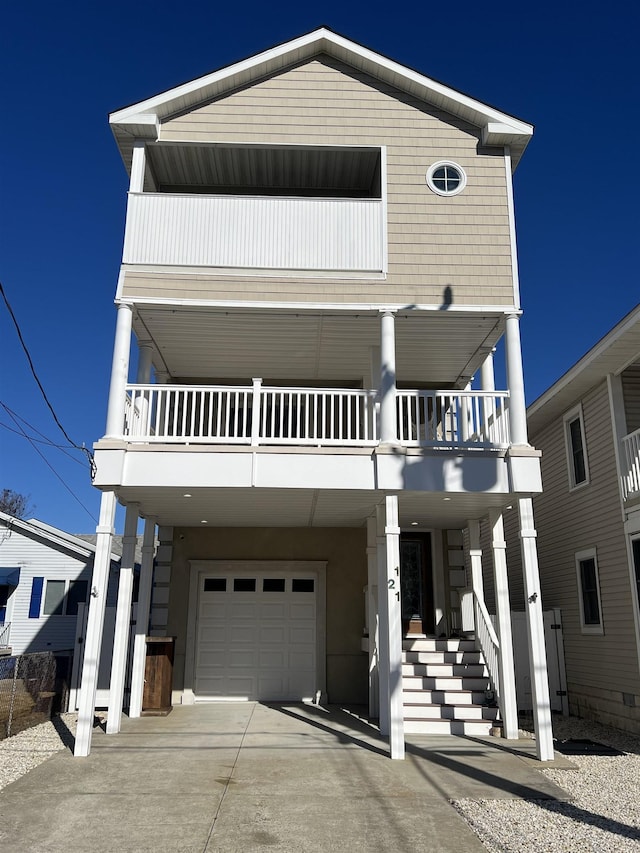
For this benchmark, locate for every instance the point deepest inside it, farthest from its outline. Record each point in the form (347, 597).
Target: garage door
(256, 635)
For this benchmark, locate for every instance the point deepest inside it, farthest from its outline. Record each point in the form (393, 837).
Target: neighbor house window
(576, 448)
(589, 592)
(60, 598)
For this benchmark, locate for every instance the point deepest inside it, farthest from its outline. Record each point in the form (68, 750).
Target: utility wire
(49, 465)
(46, 442)
(82, 449)
(43, 438)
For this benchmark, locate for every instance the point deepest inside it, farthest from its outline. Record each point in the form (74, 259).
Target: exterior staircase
(444, 684)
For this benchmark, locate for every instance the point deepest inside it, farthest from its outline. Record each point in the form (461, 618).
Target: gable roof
(612, 354)
(53, 535)
(142, 120)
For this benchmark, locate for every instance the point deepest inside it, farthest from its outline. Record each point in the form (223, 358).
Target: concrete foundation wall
(345, 553)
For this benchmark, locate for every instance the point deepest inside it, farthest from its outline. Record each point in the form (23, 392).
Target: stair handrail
(489, 643)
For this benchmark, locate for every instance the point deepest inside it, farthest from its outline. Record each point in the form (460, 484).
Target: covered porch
(358, 535)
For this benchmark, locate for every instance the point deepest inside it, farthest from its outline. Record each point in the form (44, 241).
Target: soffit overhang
(142, 120)
(617, 350)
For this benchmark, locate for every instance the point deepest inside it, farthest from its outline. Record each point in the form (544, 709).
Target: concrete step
(474, 657)
(443, 697)
(450, 727)
(440, 670)
(450, 712)
(429, 682)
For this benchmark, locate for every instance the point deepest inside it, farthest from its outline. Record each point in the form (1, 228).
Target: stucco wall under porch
(344, 550)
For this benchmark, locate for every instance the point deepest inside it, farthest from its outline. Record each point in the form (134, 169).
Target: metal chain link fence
(27, 691)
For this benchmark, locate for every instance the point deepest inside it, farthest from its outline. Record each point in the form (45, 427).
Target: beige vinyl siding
(461, 242)
(571, 521)
(631, 391)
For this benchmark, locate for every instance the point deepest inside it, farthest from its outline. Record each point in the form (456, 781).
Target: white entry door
(256, 633)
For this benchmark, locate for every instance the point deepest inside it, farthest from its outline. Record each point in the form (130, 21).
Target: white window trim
(463, 178)
(65, 597)
(575, 414)
(589, 554)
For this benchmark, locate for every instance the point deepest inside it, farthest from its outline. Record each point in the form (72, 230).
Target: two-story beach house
(319, 261)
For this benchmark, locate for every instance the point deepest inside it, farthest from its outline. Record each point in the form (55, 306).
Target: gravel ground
(603, 814)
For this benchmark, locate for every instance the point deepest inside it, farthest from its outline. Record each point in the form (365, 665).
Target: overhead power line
(81, 448)
(49, 465)
(43, 438)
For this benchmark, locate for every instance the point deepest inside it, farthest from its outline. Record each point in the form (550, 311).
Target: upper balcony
(630, 466)
(315, 210)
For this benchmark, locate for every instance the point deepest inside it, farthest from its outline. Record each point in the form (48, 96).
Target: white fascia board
(305, 307)
(320, 40)
(562, 387)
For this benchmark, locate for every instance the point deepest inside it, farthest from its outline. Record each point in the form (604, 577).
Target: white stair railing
(5, 628)
(488, 642)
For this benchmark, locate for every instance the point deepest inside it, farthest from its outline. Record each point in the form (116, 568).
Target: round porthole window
(446, 178)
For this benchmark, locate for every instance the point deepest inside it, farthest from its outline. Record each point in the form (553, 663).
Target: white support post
(142, 618)
(394, 626)
(383, 624)
(95, 625)
(388, 428)
(515, 381)
(119, 372)
(372, 617)
(123, 620)
(508, 702)
(136, 181)
(535, 633)
(256, 412)
(475, 558)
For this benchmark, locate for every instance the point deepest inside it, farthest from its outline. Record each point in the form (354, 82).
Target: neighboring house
(588, 427)
(319, 260)
(45, 574)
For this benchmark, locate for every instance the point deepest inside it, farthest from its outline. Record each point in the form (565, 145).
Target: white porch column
(388, 428)
(383, 624)
(515, 381)
(145, 354)
(389, 588)
(372, 617)
(119, 372)
(508, 703)
(95, 624)
(142, 619)
(487, 374)
(535, 633)
(123, 620)
(136, 181)
(475, 557)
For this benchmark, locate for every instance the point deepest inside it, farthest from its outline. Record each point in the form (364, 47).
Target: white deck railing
(630, 462)
(445, 418)
(344, 234)
(192, 414)
(5, 630)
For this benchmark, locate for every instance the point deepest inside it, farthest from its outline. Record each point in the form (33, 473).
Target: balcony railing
(630, 464)
(257, 415)
(324, 234)
(5, 630)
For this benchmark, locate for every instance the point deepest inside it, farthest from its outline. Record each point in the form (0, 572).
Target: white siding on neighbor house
(462, 242)
(572, 521)
(39, 558)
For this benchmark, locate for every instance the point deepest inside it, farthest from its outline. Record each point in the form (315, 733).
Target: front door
(416, 583)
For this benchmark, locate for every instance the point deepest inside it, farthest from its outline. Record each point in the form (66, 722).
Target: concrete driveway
(245, 776)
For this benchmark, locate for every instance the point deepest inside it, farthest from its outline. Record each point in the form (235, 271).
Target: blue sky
(569, 68)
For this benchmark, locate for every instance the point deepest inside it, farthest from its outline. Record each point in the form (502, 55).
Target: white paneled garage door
(256, 633)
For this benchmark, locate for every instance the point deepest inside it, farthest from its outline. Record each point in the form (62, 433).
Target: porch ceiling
(439, 349)
(222, 507)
